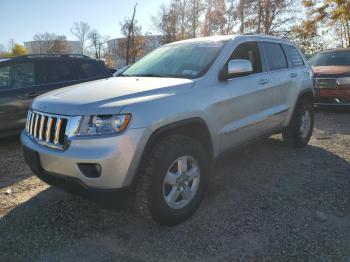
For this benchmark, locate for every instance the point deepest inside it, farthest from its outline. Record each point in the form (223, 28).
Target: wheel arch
(195, 128)
(307, 93)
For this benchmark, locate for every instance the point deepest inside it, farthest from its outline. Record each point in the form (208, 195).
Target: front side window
(183, 60)
(339, 58)
(249, 51)
(275, 57)
(294, 56)
(17, 76)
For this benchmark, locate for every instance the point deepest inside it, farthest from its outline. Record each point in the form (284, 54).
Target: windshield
(341, 58)
(183, 60)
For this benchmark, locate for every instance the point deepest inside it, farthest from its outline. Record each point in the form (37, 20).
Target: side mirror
(236, 67)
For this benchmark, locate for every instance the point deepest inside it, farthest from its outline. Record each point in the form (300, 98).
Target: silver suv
(157, 128)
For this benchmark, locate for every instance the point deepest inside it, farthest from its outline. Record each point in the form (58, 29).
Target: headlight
(343, 81)
(103, 124)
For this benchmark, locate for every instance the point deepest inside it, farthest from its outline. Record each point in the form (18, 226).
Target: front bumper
(118, 157)
(332, 97)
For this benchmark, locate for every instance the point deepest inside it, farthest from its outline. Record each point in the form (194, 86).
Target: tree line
(313, 24)
(306, 22)
(303, 21)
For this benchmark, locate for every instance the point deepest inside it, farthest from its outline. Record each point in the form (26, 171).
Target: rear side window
(249, 51)
(275, 56)
(55, 71)
(17, 76)
(293, 56)
(89, 70)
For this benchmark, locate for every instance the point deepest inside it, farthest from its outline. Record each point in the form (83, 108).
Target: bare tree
(136, 51)
(180, 6)
(130, 34)
(47, 43)
(231, 16)
(269, 16)
(98, 43)
(195, 10)
(132, 46)
(241, 9)
(166, 22)
(3, 51)
(81, 31)
(11, 44)
(215, 19)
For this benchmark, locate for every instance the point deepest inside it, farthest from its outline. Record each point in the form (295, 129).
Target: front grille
(47, 129)
(326, 82)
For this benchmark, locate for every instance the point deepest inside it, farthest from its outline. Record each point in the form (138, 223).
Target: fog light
(90, 170)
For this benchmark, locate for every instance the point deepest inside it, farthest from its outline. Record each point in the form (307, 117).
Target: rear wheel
(299, 130)
(174, 179)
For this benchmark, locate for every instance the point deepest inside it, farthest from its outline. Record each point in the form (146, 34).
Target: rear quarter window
(274, 55)
(89, 70)
(294, 56)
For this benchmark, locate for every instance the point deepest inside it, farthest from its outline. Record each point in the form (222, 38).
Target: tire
(152, 190)
(298, 132)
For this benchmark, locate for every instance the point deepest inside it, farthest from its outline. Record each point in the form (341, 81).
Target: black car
(25, 77)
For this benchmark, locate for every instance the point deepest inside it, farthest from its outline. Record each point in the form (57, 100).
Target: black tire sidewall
(305, 107)
(159, 209)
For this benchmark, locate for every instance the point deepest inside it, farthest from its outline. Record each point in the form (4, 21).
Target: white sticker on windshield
(187, 72)
(210, 44)
(190, 72)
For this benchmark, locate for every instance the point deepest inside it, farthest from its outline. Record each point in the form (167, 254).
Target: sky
(22, 19)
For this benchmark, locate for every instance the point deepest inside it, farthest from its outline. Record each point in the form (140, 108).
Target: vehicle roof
(347, 49)
(46, 56)
(232, 37)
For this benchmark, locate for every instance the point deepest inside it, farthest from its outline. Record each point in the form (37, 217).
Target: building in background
(60, 44)
(151, 42)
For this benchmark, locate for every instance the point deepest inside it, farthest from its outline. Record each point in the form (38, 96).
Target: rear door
(282, 82)
(17, 85)
(55, 73)
(300, 74)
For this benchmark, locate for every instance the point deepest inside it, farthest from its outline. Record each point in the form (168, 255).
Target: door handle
(32, 94)
(263, 81)
(293, 74)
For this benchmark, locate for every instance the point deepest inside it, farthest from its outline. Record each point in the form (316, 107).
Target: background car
(332, 77)
(25, 77)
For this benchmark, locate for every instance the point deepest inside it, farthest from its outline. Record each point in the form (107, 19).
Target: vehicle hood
(108, 96)
(331, 71)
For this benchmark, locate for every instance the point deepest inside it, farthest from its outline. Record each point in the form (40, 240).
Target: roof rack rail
(54, 55)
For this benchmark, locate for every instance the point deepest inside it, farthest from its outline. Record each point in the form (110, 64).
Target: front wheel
(299, 130)
(174, 179)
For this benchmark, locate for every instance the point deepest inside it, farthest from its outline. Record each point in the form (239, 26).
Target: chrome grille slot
(326, 82)
(47, 129)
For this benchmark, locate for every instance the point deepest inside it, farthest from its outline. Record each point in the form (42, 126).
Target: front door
(249, 110)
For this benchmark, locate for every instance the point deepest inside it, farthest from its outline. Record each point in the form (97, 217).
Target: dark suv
(25, 77)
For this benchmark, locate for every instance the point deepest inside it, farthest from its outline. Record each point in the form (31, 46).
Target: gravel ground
(266, 202)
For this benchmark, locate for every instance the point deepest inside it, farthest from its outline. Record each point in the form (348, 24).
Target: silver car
(157, 128)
